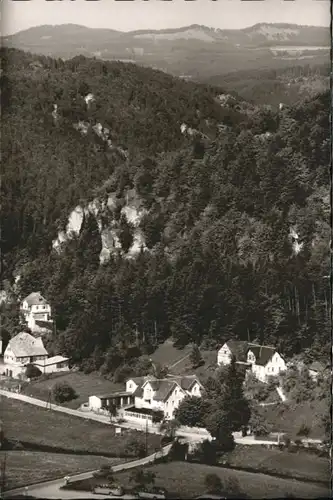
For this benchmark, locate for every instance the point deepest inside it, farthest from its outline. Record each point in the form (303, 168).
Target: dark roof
(238, 348)
(138, 392)
(262, 353)
(164, 389)
(185, 381)
(138, 380)
(113, 394)
(316, 366)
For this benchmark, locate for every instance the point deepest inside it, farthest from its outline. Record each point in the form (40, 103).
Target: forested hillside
(236, 212)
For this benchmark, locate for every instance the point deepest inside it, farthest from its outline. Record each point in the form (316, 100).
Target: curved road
(51, 489)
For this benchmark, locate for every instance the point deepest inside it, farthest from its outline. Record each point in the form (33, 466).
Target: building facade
(36, 312)
(23, 349)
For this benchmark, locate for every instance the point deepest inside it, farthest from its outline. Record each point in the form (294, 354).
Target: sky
(19, 15)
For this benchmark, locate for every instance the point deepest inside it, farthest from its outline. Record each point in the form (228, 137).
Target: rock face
(109, 231)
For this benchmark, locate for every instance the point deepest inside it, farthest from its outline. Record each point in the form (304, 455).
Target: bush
(122, 373)
(207, 452)
(63, 392)
(213, 483)
(32, 371)
(304, 430)
(135, 448)
(157, 416)
(286, 441)
(191, 411)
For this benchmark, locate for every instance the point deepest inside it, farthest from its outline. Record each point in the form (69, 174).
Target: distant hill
(273, 86)
(194, 52)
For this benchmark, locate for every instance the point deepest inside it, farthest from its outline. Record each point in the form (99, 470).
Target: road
(140, 424)
(51, 489)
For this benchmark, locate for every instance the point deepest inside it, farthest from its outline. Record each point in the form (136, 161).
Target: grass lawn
(186, 480)
(31, 424)
(167, 354)
(288, 417)
(208, 368)
(84, 386)
(300, 465)
(29, 467)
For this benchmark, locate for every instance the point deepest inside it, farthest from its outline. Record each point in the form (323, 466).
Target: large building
(23, 349)
(145, 395)
(263, 361)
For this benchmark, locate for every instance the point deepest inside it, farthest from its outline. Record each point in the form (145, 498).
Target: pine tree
(195, 356)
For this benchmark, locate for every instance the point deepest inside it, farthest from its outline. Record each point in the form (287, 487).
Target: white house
(36, 312)
(237, 348)
(265, 361)
(22, 350)
(120, 399)
(53, 364)
(166, 394)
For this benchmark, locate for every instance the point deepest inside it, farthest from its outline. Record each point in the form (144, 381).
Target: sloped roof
(24, 344)
(34, 299)
(262, 353)
(138, 392)
(52, 361)
(238, 348)
(185, 382)
(163, 390)
(316, 366)
(163, 387)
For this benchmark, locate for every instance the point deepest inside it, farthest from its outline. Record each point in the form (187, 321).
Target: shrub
(207, 452)
(191, 411)
(32, 371)
(142, 478)
(213, 483)
(122, 373)
(286, 441)
(304, 430)
(195, 356)
(157, 416)
(135, 447)
(63, 392)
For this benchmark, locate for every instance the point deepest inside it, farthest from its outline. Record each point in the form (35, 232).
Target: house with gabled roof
(236, 348)
(22, 350)
(164, 394)
(265, 361)
(36, 312)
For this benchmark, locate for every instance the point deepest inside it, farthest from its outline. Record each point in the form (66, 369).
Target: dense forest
(237, 215)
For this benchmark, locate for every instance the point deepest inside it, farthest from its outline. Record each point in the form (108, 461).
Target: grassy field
(187, 480)
(288, 417)
(208, 368)
(300, 465)
(84, 386)
(167, 354)
(29, 467)
(31, 424)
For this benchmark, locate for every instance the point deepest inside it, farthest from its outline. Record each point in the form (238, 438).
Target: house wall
(196, 390)
(94, 403)
(224, 355)
(259, 372)
(9, 356)
(275, 365)
(55, 367)
(173, 401)
(251, 357)
(131, 386)
(14, 370)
